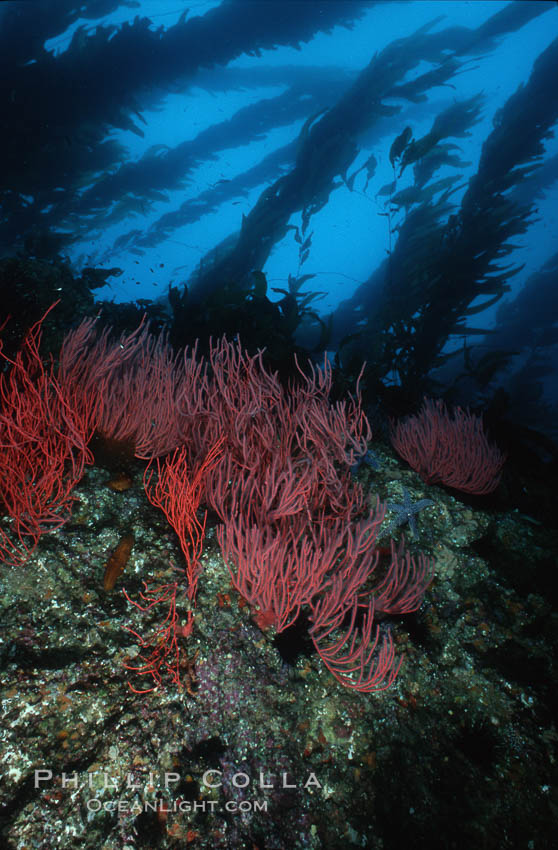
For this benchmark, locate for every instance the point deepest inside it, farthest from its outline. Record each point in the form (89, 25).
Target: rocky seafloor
(262, 747)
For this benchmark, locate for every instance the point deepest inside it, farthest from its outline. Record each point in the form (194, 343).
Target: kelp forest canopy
(263, 144)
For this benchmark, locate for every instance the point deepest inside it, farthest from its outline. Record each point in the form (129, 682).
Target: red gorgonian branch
(159, 655)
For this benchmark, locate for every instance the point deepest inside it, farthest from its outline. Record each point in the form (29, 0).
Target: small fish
(399, 144)
(117, 561)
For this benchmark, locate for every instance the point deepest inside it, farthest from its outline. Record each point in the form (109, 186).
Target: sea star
(406, 513)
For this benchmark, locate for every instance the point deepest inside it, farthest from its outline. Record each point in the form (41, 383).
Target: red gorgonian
(449, 448)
